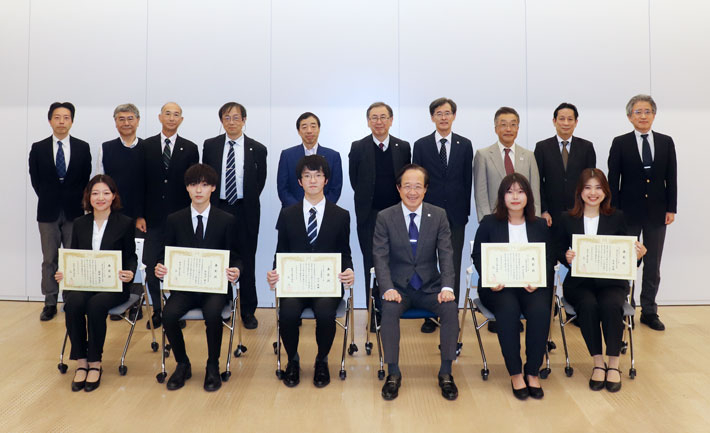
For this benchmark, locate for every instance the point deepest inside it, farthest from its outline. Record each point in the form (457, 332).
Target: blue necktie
(646, 157)
(231, 176)
(312, 228)
(416, 280)
(61, 163)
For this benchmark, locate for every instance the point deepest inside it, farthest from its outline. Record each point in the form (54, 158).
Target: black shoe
(614, 386)
(212, 379)
(448, 387)
(534, 392)
(321, 376)
(90, 386)
(520, 394)
(132, 312)
(250, 321)
(597, 385)
(428, 326)
(182, 323)
(492, 328)
(653, 322)
(48, 312)
(390, 390)
(78, 386)
(177, 379)
(292, 376)
(155, 321)
(115, 317)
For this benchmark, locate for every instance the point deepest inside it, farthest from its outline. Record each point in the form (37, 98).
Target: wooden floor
(670, 394)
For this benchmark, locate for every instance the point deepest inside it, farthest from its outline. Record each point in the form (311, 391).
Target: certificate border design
(282, 258)
(114, 256)
(487, 249)
(171, 254)
(605, 239)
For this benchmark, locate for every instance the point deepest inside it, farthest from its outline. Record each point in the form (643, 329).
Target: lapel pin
(250, 149)
(181, 149)
(457, 142)
(428, 215)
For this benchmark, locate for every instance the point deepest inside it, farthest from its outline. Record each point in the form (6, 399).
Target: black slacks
(85, 314)
(654, 236)
(458, 232)
(365, 232)
(324, 309)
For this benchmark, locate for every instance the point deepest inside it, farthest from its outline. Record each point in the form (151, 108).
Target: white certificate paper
(599, 256)
(513, 265)
(90, 271)
(196, 270)
(308, 275)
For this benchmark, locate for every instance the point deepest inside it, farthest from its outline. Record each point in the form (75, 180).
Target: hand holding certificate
(612, 257)
(513, 265)
(89, 270)
(308, 275)
(196, 270)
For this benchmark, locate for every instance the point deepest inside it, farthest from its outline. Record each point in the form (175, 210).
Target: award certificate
(196, 270)
(90, 271)
(308, 275)
(599, 256)
(513, 265)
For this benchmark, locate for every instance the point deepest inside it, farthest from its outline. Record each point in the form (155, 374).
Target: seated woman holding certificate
(102, 228)
(513, 221)
(596, 300)
(314, 225)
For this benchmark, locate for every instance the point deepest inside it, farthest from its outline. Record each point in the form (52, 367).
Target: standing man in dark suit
(560, 161)
(448, 158)
(287, 183)
(240, 163)
(198, 226)
(60, 166)
(412, 243)
(166, 158)
(375, 162)
(643, 180)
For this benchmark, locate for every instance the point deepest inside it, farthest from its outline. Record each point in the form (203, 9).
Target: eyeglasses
(647, 112)
(309, 176)
(228, 119)
(443, 114)
(417, 188)
(505, 125)
(382, 118)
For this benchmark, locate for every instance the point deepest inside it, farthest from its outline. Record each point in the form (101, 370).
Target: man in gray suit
(410, 239)
(500, 159)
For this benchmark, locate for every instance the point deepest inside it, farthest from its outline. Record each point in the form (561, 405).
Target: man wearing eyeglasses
(643, 180)
(240, 163)
(375, 161)
(447, 157)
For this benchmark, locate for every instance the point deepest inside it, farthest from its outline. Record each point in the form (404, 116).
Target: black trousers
(458, 232)
(365, 232)
(597, 304)
(324, 309)
(152, 249)
(507, 305)
(180, 303)
(85, 314)
(654, 236)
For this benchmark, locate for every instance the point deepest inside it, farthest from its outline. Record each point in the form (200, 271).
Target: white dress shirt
(569, 143)
(447, 144)
(517, 233)
(651, 143)
(502, 152)
(65, 147)
(311, 151)
(172, 142)
(591, 225)
(205, 216)
(97, 235)
(320, 208)
(385, 143)
(238, 166)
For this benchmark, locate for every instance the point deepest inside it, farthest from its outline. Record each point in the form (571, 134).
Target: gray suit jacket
(392, 252)
(489, 171)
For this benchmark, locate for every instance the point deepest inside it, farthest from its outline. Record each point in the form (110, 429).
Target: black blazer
(492, 230)
(362, 170)
(557, 186)
(52, 195)
(567, 226)
(643, 200)
(453, 192)
(165, 192)
(119, 235)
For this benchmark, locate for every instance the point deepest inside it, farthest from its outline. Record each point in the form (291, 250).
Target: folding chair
(229, 313)
(344, 310)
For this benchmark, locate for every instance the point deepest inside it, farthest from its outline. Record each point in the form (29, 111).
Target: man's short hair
(305, 116)
(377, 105)
(640, 98)
(226, 108)
(413, 167)
(505, 110)
(439, 102)
(127, 108)
(314, 163)
(68, 105)
(170, 102)
(199, 173)
(564, 105)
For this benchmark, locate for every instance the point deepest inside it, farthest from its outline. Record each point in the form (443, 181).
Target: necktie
(61, 163)
(382, 147)
(231, 176)
(508, 163)
(442, 154)
(166, 154)
(565, 154)
(646, 157)
(312, 228)
(199, 231)
(415, 281)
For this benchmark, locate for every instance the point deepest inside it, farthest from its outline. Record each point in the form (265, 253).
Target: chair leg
(62, 366)
(484, 370)
(378, 336)
(632, 370)
(122, 369)
(353, 347)
(459, 343)
(227, 373)
(154, 343)
(241, 348)
(160, 377)
(279, 370)
(569, 371)
(343, 373)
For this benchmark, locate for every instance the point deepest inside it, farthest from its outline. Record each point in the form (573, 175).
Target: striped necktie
(231, 176)
(312, 228)
(166, 154)
(61, 162)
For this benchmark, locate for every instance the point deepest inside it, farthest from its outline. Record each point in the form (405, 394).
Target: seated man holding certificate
(313, 225)
(102, 228)
(513, 221)
(198, 226)
(596, 300)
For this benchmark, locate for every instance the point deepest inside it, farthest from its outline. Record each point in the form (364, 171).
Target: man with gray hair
(643, 180)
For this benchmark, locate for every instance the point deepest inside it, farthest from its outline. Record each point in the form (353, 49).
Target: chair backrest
(140, 272)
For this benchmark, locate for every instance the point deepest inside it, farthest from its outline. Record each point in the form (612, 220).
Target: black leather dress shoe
(492, 328)
(48, 312)
(90, 386)
(78, 386)
(534, 391)
(212, 379)
(292, 376)
(177, 379)
(132, 312)
(155, 321)
(115, 317)
(613, 386)
(428, 326)
(597, 385)
(390, 390)
(321, 376)
(653, 322)
(250, 321)
(448, 387)
(520, 394)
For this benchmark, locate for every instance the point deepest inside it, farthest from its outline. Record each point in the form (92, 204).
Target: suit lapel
(106, 239)
(494, 155)
(522, 163)
(557, 154)
(402, 229)
(248, 164)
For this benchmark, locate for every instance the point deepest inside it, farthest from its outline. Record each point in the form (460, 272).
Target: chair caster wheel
(352, 349)
(154, 346)
(167, 353)
(225, 376)
(381, 374)
(161, 377)
(544, 373)
(632, 373)
(62, 367)
(569, 371)
(484, 373)
(343, 374)
(280, 374)
(623, 350)
(368, 348)
(240, 350)
(551, 346)
(459, 346)
(276, 350)
(122, 370)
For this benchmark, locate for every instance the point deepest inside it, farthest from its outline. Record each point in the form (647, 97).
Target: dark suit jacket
(119, 235)
(163, 198)
(52, 195)
(557, 186)
(643, 200)
(254, 173)
(128, 174)
(392, 251)
(290, 192)
(453, 191)
(492, 230)
(362, 170)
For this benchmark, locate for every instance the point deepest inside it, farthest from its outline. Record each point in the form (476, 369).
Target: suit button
(166, 181)
(645, 195)
(163, 197)
(648, 180)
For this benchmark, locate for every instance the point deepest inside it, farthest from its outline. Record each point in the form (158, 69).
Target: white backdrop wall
(281, 58)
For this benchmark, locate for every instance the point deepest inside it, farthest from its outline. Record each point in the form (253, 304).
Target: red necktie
(508, 163)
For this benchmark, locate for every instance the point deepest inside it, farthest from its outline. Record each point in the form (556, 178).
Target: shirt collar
(313, 151)
(438, 137)
(638, 134)
(133, 144)
(385, 142)
(172, 139)
(560, 140)
(502, 148)
(238, 142)
(205, 213)
(406, 210)
(320, 206)
(65, 140)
